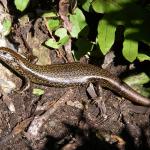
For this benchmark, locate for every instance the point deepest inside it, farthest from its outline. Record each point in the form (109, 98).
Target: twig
(39, 121)
(63, 12)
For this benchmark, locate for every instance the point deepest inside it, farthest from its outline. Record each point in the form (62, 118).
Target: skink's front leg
(26, 85)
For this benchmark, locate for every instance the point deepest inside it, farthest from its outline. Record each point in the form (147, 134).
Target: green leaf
(49, 14)
(53, 24)
(106, 35)
(61, 33)
(6, 26)
(103, 6)
(51, 43)
(137, 79)
(21, 4)
(99, 6)
(38, 92)
(78, 22)
(63, 37)
(130, 47)
(86, 5)
(63, 41)
(142, 57)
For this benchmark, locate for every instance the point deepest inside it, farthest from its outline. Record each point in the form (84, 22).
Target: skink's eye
(4, 53)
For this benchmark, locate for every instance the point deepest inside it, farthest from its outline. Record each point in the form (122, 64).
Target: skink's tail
(126, 91)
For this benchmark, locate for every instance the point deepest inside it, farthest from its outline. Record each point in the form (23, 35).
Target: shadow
(51, 143)
(130, 140)
(132, 16)
(87, 139)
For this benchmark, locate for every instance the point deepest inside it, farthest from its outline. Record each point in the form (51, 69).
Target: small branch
(63, 12)
(39, 121)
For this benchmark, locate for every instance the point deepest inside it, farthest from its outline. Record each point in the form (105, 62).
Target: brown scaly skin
(71, 74)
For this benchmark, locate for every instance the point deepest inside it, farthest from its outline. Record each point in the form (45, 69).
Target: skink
(70, 74)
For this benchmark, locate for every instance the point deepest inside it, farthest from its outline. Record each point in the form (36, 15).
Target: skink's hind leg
(98, 98)
(91, 91)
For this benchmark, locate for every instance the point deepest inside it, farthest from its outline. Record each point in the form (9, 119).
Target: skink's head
(7, 54)
(10, 57)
